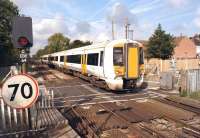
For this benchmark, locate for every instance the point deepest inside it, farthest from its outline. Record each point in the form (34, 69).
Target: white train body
(108, 61)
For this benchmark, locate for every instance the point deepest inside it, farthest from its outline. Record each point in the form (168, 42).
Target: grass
(183, 93)
(193, 95)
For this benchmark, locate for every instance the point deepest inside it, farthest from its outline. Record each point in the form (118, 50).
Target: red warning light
(23, 41)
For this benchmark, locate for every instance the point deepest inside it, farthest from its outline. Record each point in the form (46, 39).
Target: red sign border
(37, 91)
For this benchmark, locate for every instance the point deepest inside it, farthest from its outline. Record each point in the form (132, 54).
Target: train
(114, 65)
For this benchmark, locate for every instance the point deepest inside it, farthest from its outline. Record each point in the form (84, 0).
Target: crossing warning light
(22, 35)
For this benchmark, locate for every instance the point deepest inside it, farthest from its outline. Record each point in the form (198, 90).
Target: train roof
(93, 46)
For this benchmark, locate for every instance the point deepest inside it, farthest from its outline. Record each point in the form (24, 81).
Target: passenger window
(61, 58)
(101, 58)
(74, 59)
(93, 59)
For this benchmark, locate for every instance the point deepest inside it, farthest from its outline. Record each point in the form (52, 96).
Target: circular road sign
(20, 91)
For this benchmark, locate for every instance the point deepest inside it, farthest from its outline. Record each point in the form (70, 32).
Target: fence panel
(193, 80)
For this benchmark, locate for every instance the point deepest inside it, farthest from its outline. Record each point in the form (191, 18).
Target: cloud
(197, 21)
(120, 13)
(177, 3)
(83, 27)
(197, 18)
(44, 28)
(25, 4)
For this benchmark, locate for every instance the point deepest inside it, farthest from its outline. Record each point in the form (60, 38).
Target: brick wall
(185, 48)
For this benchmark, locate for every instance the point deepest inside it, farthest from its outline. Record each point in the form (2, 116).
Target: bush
(195, 95)
(183, 93)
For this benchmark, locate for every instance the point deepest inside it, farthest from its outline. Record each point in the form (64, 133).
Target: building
(185, 48)
(196, 40)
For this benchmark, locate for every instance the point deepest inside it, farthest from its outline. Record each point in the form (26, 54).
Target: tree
(8, 54)
(160, 45)
(57, 42)
(79, 43)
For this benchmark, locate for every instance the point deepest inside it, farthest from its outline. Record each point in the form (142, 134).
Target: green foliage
(78, 43)
(161, 45)
(183, 93)
(8, 54)
(58, 42)
(195, 95)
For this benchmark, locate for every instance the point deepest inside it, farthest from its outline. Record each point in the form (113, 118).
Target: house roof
(196, 39)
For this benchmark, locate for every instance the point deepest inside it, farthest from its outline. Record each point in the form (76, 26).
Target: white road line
(157, 82)
(161, 95)
(112, 101)
(60, 87)
(95, 91)
(111, 97)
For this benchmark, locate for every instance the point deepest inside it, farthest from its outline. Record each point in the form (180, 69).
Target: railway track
(180, 104)
(98, 113)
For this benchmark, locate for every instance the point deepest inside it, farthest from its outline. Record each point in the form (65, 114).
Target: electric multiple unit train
(115, 65)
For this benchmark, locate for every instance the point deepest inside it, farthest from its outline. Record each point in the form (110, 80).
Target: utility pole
(113, 33)
(131, 34)
(127, 28)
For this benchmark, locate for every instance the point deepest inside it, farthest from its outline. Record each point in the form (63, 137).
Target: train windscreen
(118, 56)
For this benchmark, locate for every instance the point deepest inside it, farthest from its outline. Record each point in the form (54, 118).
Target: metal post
(21, 117)
(9, 116)
(52, 97)
(27, 117)
(126, 28)
(24, 70)
(15, 117)
(113, 33)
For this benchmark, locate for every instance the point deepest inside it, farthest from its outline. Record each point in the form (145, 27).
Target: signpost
(20, 91)
(26, 91)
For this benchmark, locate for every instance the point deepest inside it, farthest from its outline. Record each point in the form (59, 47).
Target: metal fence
(193, 80)
(22, 123)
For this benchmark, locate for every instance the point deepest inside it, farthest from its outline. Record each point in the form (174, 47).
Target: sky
(92, 19)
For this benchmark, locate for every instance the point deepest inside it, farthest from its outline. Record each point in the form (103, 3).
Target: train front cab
(128, 64)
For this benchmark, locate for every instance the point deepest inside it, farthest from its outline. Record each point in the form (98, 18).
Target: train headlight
(119, 71)
(142, 69)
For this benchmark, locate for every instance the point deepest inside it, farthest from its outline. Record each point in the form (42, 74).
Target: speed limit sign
(20, 91)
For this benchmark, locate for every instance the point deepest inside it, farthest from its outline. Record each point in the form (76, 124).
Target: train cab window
(118, 56)
(141, 60)
(74, 59)
(93, 59)
(101, 58)
(61, 58)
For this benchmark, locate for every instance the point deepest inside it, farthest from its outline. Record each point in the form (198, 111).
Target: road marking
(112, 101)
(94, 91)
(60, 87)
(111, 97)
(161, 95)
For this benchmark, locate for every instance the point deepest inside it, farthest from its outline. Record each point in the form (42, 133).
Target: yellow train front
(127, 64)
(118, 64)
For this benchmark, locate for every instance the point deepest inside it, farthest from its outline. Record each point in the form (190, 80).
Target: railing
(193, 80)
(29, 122)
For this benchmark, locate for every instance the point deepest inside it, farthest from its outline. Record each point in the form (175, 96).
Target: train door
(84, 64)
(132, 61)
(101, 64)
